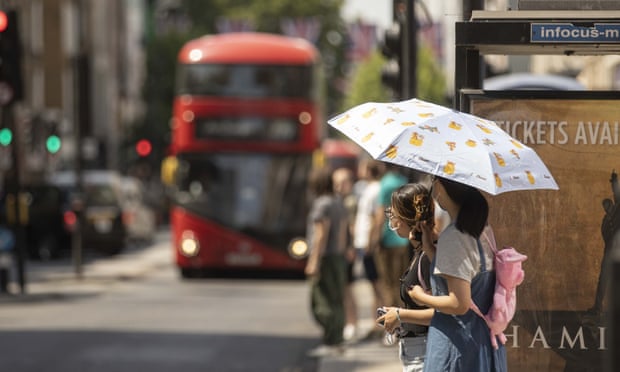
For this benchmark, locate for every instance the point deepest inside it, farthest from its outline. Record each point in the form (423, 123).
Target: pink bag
(508, 275)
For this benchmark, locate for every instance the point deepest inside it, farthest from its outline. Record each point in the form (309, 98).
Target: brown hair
(320, 182)
(412, 203)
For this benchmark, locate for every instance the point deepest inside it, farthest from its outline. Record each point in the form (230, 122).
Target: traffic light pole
(79, 94)
(410, 52)
(17, 212)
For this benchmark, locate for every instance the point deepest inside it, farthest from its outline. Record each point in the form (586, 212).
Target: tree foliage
(366, 83)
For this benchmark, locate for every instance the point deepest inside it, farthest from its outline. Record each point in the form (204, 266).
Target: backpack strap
(491, 240)
(420, 276)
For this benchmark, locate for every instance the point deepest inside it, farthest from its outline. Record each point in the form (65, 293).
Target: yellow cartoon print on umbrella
(530, 177)
(416, 139)
(391, 152)
(454, 125)
(498, 181)
(449, 168)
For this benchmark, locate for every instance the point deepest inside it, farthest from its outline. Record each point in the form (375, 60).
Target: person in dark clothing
(410, 204)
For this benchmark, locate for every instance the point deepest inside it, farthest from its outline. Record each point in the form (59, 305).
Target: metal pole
(469, 68)
(411, 37)
(471, 5)
(78, 202)
(16, 207)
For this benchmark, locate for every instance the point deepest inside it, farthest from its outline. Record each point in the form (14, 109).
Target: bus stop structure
(522, 33)
(557, 32)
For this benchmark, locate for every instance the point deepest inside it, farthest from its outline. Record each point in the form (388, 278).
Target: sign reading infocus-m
(569, 33)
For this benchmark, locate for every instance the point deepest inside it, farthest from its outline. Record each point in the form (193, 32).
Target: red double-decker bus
(247, 119)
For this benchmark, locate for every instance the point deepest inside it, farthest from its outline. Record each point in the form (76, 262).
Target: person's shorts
(350, 274)
(370, 268)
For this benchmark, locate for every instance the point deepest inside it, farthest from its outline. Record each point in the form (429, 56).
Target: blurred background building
(82, 66)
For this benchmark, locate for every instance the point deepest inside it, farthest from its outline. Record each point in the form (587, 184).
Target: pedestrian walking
(344, 179)
(326, 265)
(369, 175)
(462, 271)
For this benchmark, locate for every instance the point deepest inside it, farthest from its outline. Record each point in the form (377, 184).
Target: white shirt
(366, 207)
(457, 253)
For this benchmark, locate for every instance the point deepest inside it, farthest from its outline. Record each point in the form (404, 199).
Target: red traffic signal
(144, 147)
(4, 21)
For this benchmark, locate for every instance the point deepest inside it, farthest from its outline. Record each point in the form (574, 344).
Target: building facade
(82, 72)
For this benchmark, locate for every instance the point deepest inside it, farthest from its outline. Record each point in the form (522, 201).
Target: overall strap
(420, 276)
(483, 266)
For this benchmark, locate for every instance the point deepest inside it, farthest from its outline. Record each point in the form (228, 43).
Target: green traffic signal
(53, 144)
(6, 136)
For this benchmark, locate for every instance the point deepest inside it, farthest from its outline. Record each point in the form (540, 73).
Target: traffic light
(6, 137)
(144, 147)
(391, 48)
(10, 58)
(400, 47)
(53, 143)
(4, 21)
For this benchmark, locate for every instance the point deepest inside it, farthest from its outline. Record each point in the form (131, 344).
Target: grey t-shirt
(331, 208)
(457, 253)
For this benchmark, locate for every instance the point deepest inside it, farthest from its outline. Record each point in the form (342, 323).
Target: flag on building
(225, 25)
(308, 28)
(363, 40)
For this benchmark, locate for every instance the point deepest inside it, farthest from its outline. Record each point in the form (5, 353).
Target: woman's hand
(389, 319)
(417, 294)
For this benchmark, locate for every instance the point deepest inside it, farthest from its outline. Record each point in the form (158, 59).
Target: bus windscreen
(245, 81)
(245, 192)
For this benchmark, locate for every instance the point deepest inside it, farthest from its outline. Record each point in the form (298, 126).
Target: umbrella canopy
(445, 142)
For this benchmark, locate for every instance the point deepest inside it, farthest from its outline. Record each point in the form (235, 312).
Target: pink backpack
(508, 275)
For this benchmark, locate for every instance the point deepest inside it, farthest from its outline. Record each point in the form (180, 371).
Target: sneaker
(349, 332)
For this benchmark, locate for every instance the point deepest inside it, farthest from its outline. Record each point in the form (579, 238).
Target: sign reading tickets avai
(566, 234)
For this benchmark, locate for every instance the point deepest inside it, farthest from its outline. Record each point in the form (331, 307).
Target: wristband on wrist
(398, 316)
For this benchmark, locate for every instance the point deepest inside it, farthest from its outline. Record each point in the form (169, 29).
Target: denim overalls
(462, 343)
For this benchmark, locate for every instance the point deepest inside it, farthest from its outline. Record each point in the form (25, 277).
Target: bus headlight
(298, 248)
(189, 244)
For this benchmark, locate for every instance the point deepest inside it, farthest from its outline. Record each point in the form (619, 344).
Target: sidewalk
(366, 355)
(97, 274)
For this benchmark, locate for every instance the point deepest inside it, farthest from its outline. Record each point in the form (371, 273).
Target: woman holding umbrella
(458, 339)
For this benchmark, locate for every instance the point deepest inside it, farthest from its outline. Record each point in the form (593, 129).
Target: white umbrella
(445, 142)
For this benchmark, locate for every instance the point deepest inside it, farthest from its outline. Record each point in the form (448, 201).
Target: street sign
(553, 32)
